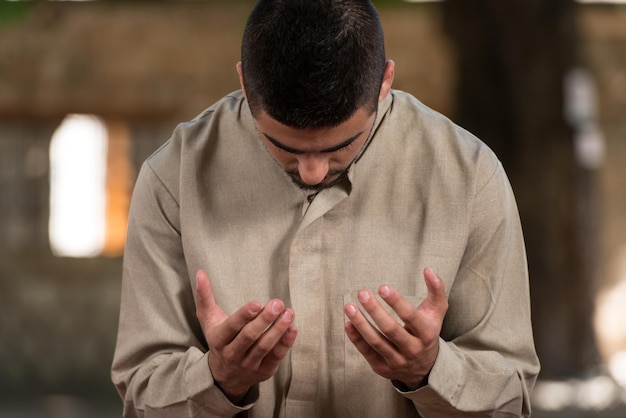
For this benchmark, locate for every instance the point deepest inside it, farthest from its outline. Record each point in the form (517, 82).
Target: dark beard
(342, 174)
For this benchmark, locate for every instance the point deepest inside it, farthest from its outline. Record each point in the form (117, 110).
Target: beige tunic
(423, 193)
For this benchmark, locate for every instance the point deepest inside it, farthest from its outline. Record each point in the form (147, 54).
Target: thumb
(436, 299)
(204, 290)
(207, 311)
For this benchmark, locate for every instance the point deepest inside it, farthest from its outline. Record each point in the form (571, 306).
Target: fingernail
(384, 291)
(350, 310)
(255, 309)
(288, 316)
(364, 295)
(276, 307)
(291, 331)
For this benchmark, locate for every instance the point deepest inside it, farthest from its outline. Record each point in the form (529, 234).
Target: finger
(228, 330)
(276, 342)
(211, 315)
(374, 359)
(252, 331)
(208, 312)
(406, 311)
(436, 300)
(372, 336)
(272, 361)
(204, 292)
(284, 344)
(385, 322)
(270, 338)
(425, 320)
(359, 342)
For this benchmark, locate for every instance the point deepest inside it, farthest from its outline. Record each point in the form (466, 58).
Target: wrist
(235, 396)
(235, 393)
(410, 386)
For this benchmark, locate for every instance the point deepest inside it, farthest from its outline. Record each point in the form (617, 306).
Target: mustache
(294, 173)
(339, 175)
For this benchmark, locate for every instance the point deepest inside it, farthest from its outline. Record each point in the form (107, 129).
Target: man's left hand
(403, 354)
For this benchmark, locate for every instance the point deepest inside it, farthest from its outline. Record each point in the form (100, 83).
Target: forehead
(314, 139)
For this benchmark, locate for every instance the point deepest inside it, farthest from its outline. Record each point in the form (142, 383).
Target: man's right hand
(246, 347)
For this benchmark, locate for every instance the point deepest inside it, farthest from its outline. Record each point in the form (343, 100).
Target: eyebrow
(337, 147)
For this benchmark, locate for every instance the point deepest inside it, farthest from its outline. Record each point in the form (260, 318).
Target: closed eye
(343, 148)
(345, 145)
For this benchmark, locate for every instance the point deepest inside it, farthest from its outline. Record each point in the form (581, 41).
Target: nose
(312, 168)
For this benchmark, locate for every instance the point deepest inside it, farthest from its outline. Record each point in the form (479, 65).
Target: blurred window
(89, 187)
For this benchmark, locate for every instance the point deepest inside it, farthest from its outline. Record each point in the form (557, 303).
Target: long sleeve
(424, 193)
(487, 363)
(160, 366)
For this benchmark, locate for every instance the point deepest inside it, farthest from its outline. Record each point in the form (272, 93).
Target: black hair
(313, 63)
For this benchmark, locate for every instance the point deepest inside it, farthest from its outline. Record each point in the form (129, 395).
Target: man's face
(315, 159)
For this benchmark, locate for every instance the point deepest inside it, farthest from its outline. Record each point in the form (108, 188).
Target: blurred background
(89, 89)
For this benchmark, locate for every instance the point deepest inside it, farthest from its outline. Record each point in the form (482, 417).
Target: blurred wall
(149, 66)
(604, 29)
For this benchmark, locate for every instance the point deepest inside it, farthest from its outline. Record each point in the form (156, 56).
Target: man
(282, 246)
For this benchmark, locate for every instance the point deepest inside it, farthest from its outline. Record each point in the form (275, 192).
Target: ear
(387, 80)
(240, 72)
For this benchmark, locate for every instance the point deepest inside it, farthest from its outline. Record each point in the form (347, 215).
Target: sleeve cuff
(444, 381)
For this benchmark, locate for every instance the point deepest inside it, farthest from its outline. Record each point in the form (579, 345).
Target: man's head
(312, 63)
(313, 72)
